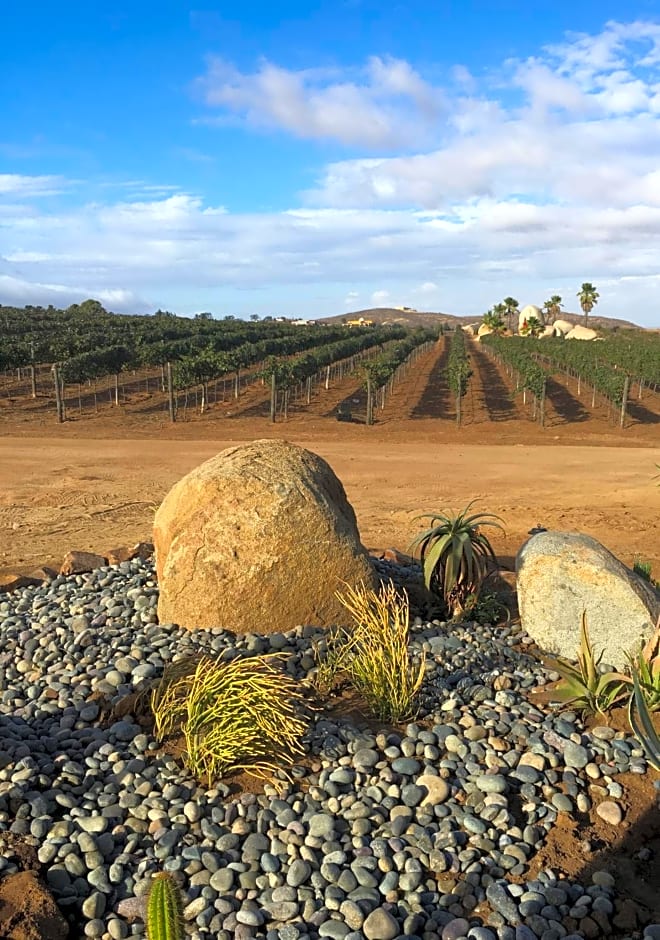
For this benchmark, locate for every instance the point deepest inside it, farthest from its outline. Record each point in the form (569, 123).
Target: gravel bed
(381, 836)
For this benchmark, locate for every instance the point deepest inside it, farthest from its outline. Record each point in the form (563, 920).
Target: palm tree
(493, 319)
(588, 297)
(510, 306)
(532, 327)
(553, 306)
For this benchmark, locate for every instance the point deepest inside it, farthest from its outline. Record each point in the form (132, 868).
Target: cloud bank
(456, 192)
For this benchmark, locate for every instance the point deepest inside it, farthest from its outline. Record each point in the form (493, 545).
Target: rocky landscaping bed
(490, 817)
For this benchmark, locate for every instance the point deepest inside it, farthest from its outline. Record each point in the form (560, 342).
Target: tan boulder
(15, 582)
(484, 330)
(80, 562)
(562, 327)
(118, 555)
(582, 332)
(257, 539)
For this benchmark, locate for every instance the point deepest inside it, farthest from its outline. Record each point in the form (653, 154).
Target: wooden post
(58, 393)
(273, 397)
(170, 393)
(33, 381)
(624, 402)
(542, 412)
(370, 401)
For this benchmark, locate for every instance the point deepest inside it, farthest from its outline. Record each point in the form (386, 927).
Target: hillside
(384, 315)
(391, 315)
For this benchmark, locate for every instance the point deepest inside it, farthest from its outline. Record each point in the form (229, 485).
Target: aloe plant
(455, 554)
(646, 668)
(165, 909)
(582, 685)
(641, 723)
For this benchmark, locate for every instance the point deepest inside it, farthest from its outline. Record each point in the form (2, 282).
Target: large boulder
(582, 332)
(257, 540)
(562, 327)
(527, 312)
(562, 574)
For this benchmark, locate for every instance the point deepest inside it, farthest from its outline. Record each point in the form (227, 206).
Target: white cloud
(527, 187)
(388, 102)
(17, 185)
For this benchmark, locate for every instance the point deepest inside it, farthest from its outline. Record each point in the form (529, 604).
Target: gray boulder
(562, 574)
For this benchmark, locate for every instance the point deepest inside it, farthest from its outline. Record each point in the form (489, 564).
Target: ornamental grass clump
(374, 655)
(244, 715)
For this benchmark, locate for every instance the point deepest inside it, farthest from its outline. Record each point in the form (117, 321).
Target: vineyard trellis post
(624, 401)
(170, 393)
(58, 393)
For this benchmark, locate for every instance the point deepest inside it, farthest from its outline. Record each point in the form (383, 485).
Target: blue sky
(308, 159)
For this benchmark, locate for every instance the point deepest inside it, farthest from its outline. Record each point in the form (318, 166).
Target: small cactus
(164, 909)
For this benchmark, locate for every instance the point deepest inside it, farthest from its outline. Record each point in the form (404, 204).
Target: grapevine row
(458, 369)
(517, 354)
(381, 373)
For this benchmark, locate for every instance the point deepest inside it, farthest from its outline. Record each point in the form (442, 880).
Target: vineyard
(82, 364)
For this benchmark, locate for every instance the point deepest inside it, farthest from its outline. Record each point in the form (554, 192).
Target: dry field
(94, 482)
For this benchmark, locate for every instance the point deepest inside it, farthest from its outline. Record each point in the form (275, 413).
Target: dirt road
(63, 493)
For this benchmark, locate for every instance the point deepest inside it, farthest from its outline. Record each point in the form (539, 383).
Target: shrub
(641, 723)
(455, 555)
(242, 715)
(374, 656)
(645, 667)
(164, 909)
(583, 686)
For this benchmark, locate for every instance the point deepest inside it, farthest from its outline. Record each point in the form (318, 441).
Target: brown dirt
(28, 911)
(95, 481)
(581, 845)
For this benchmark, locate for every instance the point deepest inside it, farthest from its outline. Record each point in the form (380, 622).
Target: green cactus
(164, 909)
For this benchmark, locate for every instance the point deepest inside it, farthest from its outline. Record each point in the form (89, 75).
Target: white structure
(531, 310)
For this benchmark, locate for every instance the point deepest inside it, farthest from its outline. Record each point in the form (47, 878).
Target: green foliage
(643, 569)
(582, 685)
(519, 355)
(532, 327)
(642, 725)
(645, 668)
(455, 555)
(243, 715)
(493, 319)
(488, 608)
(553, 306)
(458, 365)
(374, 655)
(588, 297)
(164, 909)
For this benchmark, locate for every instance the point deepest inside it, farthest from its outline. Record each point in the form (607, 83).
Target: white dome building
(531, 310)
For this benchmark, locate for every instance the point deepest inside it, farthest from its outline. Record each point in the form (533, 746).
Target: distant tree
(92, 308)
(204, 316)
(553, 306)
(493, 320)
(511, 308)
(588, 297)
(254, 317)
